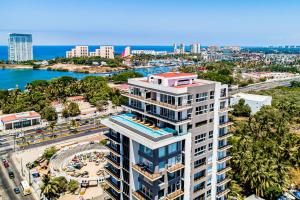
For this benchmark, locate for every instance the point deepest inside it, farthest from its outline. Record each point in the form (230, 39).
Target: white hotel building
(172, 143)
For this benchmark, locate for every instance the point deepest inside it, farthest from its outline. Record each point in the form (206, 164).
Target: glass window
(200, 150)
(211, 107)
(210, 146)
(201, 96)
(201, 110)
(212, 94)
(211, 134)
(200, 138)
(161, 152)
(172, 148)
(199, 162)
(161, 165)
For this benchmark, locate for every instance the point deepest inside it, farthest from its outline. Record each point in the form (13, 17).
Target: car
(3, 139)
(6, 165)
(17, 190)
(39, 130)
(11, 174)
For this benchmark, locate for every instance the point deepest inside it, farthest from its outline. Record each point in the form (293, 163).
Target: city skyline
(155, 23)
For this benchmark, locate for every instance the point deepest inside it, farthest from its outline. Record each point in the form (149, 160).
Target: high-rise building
(181, 48)
(195, 48)
(107, 52)
(20, 47)
(126, 52)
(172, 143)
(78, 51)
(175, 50)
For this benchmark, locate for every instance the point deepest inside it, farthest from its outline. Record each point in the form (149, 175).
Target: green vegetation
(241, 109)
(49, 152)
(265, 150)
(41, 93)
(73, 185)
(124, 76)
(71, 109)
(116, 62)
(62, 183)
(50, 187)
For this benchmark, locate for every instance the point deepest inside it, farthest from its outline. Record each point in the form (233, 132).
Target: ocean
(50, 52)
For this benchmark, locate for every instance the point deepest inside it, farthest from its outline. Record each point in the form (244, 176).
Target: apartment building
(195, 48)
(172, 141)
(20, 47)
(78, 51)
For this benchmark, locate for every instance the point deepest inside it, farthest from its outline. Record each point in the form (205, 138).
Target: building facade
(195, 48)
(19, 120)
(172, 143)
(78, 51)
(20, 47)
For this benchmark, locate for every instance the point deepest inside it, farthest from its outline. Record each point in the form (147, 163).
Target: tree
(101, 105)
(73, 185)
(241, 109)
(62, 183)
(49, 114)
(71, 110)
(124, 76)
(49, 152)
(50, 187)
(51, 127)
(263, 151)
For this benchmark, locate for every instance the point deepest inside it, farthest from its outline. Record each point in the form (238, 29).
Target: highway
(265, 85)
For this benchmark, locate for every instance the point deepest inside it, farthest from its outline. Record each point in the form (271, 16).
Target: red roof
(174, 74)
(18, 116)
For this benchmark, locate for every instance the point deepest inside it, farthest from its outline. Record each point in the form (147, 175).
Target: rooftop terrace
(129, 121)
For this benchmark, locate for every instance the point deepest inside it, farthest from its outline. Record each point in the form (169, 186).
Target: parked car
(6, 165)
(17, 190)
(11, 174)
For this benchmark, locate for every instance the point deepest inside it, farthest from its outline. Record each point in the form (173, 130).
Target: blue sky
(153, 22)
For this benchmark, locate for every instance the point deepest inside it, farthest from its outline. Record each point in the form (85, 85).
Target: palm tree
(50, 187)
(51, 127)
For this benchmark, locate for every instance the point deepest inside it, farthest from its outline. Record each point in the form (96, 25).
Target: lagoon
(12, 78)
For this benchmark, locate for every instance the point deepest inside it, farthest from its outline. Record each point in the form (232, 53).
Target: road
(265, 85)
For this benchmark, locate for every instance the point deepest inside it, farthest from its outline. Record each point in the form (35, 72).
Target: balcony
(223, 181)
(115, 163)
(111, 172)
(176, 167)
(161, 104)
(114, 150)
(224, 147)
(224, 170)
(224, 135)
(146, 173)
(114, 186)
(224, 159)
(113, 138)
(222, 192)
(111, 194)
(175, 194)
(168, 120)
(223, 124)
(225, 109)
(139, 195)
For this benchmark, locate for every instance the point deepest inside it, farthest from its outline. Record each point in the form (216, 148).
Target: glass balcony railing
(143, 170)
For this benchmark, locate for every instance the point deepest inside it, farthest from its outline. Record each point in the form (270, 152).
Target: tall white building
(20, 47)
(195, 48)
(104, 52)
(181, 48)
(78, 51)
(173, 141)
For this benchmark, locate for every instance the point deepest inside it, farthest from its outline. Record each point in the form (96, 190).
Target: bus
(25, 188)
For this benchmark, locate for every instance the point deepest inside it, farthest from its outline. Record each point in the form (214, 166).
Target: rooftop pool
(127, 119)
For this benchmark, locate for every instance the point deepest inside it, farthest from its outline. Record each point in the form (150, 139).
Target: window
(202, 123)
(199, 175)
(146, 150)
(201, 96)
(212, 94)
(199, 162)
(172, 148)
(199, 186)
(161, 165)
(210, 146)
(208, 193)
(200, 150)
(161, 152)
(209, 160)
(222, 104)
(210, 134)
(208, 183)
(201, 110)
(211, 120)
(211, 107)
(209, 169)
(200, 138)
